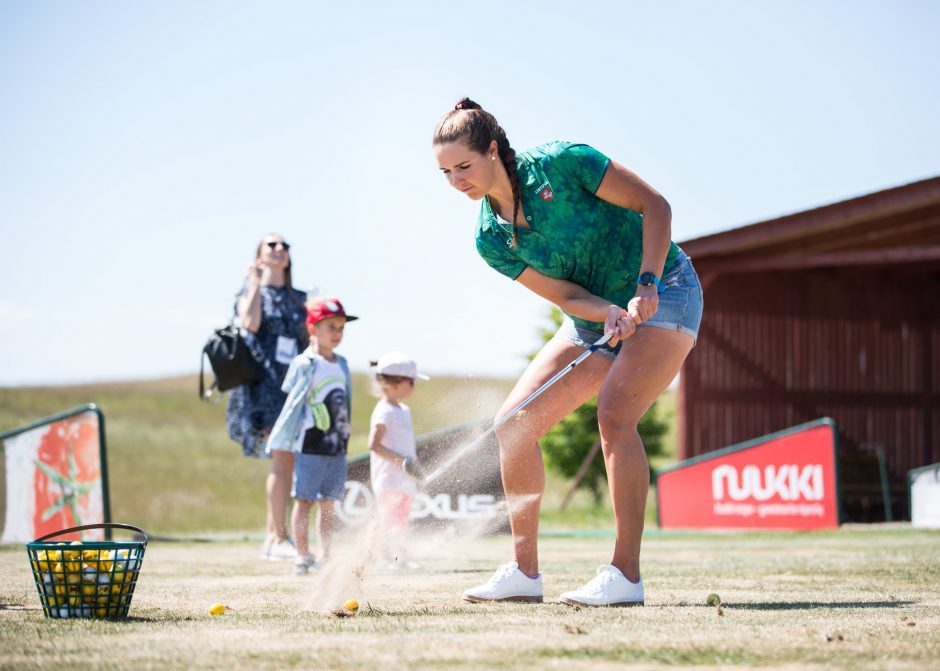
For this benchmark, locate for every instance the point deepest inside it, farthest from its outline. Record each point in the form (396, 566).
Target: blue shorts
(680, 309)
(318, 477)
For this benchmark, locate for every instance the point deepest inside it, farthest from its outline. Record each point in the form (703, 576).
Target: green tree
(567, 444)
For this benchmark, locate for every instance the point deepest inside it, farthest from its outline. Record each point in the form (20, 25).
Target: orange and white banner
(54, 480)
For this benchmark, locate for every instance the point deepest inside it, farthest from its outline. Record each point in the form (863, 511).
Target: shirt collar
(527, 179)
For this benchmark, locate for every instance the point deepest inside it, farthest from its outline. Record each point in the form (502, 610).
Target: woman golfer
(591, 237)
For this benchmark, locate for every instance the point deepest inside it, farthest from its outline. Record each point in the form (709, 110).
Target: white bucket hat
(399, 364)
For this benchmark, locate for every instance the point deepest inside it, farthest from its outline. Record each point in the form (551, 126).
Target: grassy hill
(174, 470)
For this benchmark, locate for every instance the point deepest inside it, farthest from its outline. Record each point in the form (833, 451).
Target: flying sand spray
(338, 579)
(469, 447)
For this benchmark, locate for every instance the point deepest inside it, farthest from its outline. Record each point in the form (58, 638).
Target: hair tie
(466, 104)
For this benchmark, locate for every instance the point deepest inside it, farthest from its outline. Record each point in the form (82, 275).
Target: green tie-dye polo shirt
(573, 234)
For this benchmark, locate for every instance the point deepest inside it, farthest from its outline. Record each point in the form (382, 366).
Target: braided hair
(470, 123)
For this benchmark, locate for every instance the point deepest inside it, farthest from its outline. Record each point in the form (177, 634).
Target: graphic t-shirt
(388, 476)
(326, 419)
(573, 235)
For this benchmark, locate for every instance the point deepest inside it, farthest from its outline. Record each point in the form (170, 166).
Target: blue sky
(145, 148)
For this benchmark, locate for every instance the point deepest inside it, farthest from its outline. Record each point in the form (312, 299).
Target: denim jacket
(297, 384)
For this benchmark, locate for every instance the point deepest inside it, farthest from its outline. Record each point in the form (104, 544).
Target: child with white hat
(393, 461)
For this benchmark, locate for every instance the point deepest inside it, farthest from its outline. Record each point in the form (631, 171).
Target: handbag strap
(206, 394)
(202, 377)
(202, 383)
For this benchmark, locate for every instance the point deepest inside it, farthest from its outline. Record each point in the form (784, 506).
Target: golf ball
(351, 605)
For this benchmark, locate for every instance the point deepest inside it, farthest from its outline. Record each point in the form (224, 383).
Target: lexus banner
(786, 480)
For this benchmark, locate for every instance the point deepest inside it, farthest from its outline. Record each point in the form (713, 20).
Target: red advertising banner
(786, 480)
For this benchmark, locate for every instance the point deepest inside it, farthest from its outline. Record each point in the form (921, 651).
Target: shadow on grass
(463, 570)
(815, 605)
(130, 619)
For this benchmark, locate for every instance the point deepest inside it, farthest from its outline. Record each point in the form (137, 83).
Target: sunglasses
(274, 244)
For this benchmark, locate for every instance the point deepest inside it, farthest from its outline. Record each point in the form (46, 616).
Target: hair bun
(373, 363)
(467, 104)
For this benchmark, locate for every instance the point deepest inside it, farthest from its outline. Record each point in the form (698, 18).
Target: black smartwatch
(648, 279)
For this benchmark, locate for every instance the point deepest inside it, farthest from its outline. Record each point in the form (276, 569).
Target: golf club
(476, 442)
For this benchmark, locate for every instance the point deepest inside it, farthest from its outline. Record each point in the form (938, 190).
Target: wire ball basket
(87, 579)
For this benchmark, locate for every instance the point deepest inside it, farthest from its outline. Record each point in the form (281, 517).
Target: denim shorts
(318, 477)
(680, 309)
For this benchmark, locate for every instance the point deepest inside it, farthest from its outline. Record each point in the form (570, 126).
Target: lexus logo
(356, 507)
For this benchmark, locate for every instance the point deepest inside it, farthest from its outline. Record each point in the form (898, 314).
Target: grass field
(857, 598)
(850, 599)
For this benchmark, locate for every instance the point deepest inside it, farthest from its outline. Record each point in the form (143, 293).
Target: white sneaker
(508, 583)
(266, 550)
(608, 588)
(303, 564)
(282, 551)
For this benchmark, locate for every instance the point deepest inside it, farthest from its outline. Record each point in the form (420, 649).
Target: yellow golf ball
(217, 609)
(351, 605)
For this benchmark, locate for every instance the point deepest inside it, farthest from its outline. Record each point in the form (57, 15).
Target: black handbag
(232, 361)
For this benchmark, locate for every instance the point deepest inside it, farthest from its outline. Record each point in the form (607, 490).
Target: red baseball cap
(323, 308)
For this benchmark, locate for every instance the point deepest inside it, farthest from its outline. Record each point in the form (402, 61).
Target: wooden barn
(832, 312)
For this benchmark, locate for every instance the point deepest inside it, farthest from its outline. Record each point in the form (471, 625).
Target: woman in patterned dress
(272, 316)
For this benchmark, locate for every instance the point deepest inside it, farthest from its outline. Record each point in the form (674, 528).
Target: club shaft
(512, 413)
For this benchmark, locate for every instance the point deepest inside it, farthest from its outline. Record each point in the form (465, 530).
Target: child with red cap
(314, 425)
